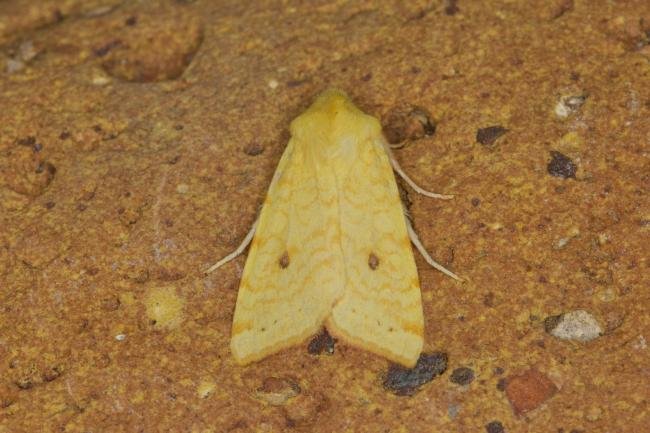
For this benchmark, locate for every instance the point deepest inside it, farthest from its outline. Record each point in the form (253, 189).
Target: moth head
(334, 118)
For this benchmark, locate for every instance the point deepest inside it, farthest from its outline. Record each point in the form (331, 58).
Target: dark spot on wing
(284, 260)
(373, 261)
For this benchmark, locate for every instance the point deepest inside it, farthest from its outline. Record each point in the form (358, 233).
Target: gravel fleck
(576, 325)
(407, 381)
(462, 376)
(561, 166)
(529, 390)
(567, 105)
(487, 136)
(494, 427)
(277, 390)
(453, 410)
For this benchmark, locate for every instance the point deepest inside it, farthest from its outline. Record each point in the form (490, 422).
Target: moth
(332, 244)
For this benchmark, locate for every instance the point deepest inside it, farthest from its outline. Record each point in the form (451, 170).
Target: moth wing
(381, 308)
(293, 272)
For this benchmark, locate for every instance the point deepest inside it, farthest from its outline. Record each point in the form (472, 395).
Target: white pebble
(120, 337)
(568, 105)
(577, 325)
(273, 84)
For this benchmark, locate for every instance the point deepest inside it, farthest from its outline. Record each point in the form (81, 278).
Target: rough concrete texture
(137, 140)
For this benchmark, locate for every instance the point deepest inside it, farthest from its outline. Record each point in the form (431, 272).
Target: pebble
(407, 381)
(561, 165)
(567, 105)
(487, 136)
(494, 427)
(453, 410)
(529, 390)
(576, 325)
(276, 391)
(462, 376)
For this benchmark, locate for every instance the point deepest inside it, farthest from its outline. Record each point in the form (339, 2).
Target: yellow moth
(331, 246)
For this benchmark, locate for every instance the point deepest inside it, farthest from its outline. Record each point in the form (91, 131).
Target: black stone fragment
(407, 381)
(561, 166)
(462, 376)
(487, 136)
(494, 427)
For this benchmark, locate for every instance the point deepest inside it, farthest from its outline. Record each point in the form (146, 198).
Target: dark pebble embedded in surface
(561, 166)
(494, 427)
(462, 376)
(487, 136)
(406, 381)
(321, 343)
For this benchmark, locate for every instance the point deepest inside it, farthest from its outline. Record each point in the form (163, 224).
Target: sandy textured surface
(137, 140)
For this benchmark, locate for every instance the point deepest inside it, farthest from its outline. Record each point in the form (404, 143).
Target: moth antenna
(240, 249)
(409, 181)
(416, 241)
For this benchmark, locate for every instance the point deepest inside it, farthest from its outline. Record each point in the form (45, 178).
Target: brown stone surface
(529, 390)
(137, 140)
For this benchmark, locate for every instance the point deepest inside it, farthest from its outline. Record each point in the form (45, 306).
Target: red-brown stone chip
(529, 390)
